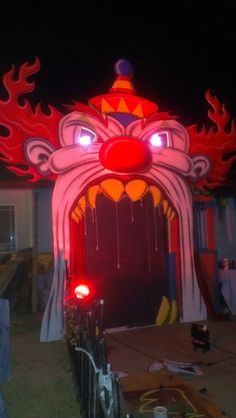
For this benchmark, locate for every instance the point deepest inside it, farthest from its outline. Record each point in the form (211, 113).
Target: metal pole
(35, 253)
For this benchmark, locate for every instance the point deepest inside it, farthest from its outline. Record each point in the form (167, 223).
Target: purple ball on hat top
(124, 68)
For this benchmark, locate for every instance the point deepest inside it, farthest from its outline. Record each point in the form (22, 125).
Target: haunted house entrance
(124, 255)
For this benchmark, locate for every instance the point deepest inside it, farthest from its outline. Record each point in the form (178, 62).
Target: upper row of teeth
(114, 189)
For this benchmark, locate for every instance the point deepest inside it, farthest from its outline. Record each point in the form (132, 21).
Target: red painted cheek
(125, 155)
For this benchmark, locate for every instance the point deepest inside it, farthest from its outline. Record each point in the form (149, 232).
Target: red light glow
(82, 291)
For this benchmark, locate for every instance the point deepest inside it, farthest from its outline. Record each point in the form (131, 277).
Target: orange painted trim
(174, 247)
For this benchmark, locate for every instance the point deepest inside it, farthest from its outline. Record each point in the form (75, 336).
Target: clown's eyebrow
(77, 122)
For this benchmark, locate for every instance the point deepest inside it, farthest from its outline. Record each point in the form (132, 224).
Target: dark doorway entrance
(125, 246)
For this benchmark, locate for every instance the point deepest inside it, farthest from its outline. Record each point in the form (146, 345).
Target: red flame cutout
(216, 144)
(21, 121)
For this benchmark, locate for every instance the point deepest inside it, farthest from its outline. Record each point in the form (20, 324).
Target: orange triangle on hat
(106, 107)
(122, 106)
(138, 111)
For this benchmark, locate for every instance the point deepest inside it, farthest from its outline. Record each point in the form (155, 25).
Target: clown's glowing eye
(85, 137)
(159, 140)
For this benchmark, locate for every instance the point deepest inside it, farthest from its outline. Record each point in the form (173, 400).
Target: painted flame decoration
(20, 121)
(215, 143)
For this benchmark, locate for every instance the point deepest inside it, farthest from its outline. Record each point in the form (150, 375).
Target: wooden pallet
(140, 393)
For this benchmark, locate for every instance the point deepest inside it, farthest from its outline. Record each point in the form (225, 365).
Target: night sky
(178, 51)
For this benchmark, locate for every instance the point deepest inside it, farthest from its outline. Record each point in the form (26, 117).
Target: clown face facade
(120, 164)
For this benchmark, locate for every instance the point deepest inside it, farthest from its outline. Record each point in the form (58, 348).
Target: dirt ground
(136, 350)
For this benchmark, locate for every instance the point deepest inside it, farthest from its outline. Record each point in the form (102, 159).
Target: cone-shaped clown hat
(122, 97)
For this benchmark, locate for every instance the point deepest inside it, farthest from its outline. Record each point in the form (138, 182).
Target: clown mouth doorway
(120, 247)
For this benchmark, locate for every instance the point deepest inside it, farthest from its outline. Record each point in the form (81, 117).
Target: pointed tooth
(136, 189)
(165, 205)
(82, 204)
(156, 195)
(91, 195)
(78, 212)
(74, 217)
(172, 215)
(112, 188)
(169, 212)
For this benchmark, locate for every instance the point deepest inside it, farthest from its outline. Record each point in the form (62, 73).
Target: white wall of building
(45, 236)
(226, 229)
(22, 201)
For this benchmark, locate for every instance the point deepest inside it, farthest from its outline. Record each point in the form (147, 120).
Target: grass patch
(41, 384)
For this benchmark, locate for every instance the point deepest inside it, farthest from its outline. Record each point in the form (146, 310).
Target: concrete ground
(134, 351)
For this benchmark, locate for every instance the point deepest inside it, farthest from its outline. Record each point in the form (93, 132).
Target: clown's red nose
(125, 155)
